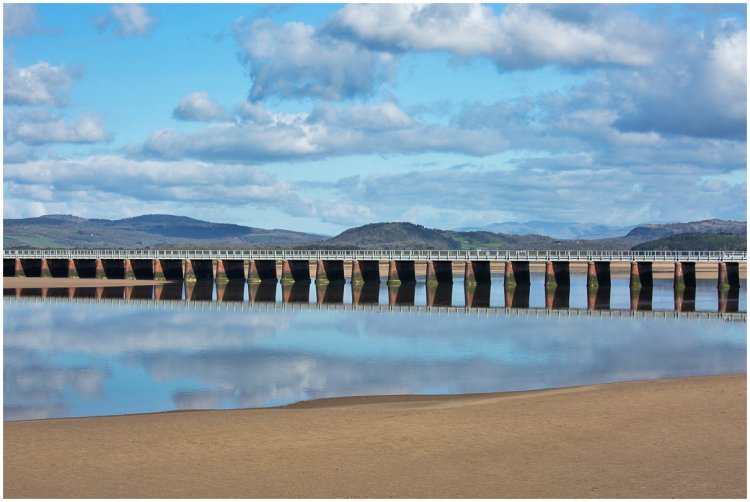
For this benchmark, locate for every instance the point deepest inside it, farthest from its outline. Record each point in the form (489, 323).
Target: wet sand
(683, 438)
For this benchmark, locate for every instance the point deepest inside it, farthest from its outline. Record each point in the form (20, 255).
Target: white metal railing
(414, 255)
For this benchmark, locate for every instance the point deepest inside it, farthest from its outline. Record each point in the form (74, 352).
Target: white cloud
(199, 106)
(522, 36)
(292, 60)
(379, 128)
(38, 127)
(76, 186)
(19, 19)
(131, 20)
(536, 190)
(37, 84)
(699, 90)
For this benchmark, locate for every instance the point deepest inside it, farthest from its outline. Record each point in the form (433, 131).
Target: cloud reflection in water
(70, 359)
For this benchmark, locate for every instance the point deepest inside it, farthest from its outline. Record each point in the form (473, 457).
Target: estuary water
(83, 352)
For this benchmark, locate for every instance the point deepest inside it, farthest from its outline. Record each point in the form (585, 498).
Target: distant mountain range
(167, 231)
(555, 229)
(152, 230)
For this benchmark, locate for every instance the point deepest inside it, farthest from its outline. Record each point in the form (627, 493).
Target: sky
(321, 117)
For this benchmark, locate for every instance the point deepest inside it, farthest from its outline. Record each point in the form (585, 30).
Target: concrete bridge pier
(295, 270)
(44, 269)
(188, 274)
(401, 272)
(329, 271)
(129, 274)
(72, 272)
(261, 271)
(517, 273)
(219, 274)
(99, 272)
(365, 271)
(598, 275)
(158, 271)
(19, 269)
(476, 272)
(439, 272)
(641, 275)
(684, 275)
(729, 275)
(557, 274)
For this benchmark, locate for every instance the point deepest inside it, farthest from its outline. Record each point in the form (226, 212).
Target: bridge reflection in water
(368, 294)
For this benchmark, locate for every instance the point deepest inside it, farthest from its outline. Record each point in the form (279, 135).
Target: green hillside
(695, 242)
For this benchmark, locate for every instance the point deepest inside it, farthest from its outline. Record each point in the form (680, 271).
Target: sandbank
(683, 438)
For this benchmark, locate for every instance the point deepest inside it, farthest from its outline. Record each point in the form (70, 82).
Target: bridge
(261, 265)
(210, 305)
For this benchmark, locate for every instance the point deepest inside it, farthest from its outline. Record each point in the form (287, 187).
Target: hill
(167, 231)
(153, 230)
(695, 242)
(395, 235)
(658, 231)
(554, 229)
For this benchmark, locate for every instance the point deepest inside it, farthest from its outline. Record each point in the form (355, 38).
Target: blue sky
(322, 117)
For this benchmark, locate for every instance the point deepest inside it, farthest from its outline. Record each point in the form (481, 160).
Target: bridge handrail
(386, 254)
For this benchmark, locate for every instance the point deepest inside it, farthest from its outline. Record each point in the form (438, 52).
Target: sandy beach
(683, 438)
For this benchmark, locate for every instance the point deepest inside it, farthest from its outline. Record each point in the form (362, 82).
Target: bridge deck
(384, 255)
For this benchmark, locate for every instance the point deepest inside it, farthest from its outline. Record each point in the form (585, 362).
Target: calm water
(67, 357)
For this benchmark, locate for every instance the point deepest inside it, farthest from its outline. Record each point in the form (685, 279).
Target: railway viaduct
(261, 265)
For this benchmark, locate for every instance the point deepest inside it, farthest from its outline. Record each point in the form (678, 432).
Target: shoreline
(683, 437)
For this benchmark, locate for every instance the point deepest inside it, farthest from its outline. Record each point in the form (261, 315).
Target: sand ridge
(682, 438)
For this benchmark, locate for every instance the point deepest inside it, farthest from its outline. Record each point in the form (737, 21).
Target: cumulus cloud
(700, 90)
(131, 20)
(522, 36)
(18, 19)
(37, 84)
(260, 135)
(39, 127)
(293, 61)
(71, 185)
(538, 189)
(199, 106)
